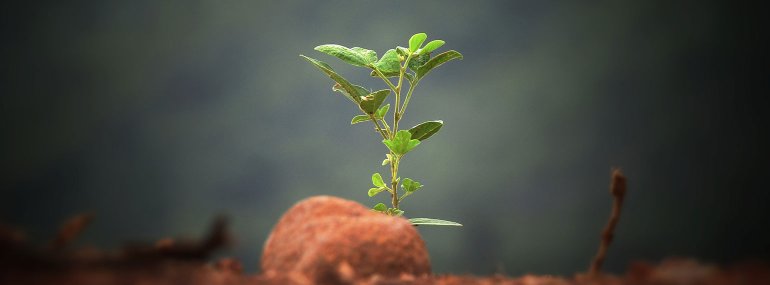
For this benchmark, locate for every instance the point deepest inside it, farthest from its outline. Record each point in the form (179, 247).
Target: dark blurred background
(158, 115)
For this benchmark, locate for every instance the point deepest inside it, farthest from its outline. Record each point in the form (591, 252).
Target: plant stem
(384, 78)
(387, 127)
(396, 117)
(408, 96)
(377, 125)
(397, 112)
(394, 179)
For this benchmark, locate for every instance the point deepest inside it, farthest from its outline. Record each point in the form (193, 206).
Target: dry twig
(618, 191)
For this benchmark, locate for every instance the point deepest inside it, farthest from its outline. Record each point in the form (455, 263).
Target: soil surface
(320, 240)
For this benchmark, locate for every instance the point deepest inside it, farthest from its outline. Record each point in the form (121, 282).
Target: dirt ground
(321, 240)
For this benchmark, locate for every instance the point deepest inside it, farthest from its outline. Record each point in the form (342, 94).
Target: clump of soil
(326, 239)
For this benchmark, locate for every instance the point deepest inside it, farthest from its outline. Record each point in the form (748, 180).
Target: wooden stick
(618, 191)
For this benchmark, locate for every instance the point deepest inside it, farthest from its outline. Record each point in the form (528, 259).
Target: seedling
(402, 64)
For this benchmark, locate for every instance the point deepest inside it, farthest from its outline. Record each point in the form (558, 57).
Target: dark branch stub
(618, 192)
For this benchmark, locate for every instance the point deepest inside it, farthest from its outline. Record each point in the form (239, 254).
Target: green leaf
(387, 159)
(396, 212)
(416, 41)
(382, 111)
(433, 222)
(371, 102)
(387, 74)
(359, 119)
(431, 46)
(369, 55)
(375, 191)
(380, 207)
(401, 143)
(410, 185)
(390, 63)
(436, 61)
(360, 91)
(425, 130)
(377, 180)
(345, 54)
(402, 51)
(349, 90)
(417, 61)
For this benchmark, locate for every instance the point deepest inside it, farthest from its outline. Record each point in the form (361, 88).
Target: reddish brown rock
(331, 239)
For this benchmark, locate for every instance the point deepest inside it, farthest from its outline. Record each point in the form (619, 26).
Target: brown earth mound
(326, 239)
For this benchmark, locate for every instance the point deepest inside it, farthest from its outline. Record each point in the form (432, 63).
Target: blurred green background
(158, 115)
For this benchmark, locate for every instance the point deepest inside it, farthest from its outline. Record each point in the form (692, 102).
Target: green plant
(394, 63)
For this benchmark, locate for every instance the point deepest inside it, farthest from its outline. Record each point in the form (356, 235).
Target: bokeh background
(158, 115)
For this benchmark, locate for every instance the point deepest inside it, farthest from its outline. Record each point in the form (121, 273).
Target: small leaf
(377, 180)
(360, 91)
(433, 222)
(416, 62)
(410, 185)
(380, 207)
(389, 63)
(431, 46)
(359, 119)
(416, 41)
(348, 89)
(402, 51)
(411, 145)
(387, 159)
(345, 54)
(369, 56)
(371, 102)
(397, 212)
(425, 130)
(436, 61)
(375, 191)
(382, 111)
(401, 143)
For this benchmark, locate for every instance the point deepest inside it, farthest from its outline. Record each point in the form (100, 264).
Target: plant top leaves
(401, 143)
(389, 64)
(431, 46)
(417, 61)
(356, 56)
(436, 61)
(425, 130)
(416, 41)
(402, 51)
